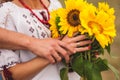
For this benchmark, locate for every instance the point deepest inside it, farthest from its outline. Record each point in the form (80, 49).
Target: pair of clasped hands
(54, 49)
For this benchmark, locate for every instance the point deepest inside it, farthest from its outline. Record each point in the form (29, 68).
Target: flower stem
(86, 55)
(89, 56)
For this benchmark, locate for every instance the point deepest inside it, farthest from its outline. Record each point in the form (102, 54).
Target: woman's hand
(51, 49)
(78, 42)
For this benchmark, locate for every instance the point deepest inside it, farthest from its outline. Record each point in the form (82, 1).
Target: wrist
(28, 43)
(31, 44)
(44, 60)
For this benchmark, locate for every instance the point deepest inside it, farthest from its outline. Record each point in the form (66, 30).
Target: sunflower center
(73, 18)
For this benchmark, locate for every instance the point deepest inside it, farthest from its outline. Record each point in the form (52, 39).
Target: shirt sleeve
(3, 15)
(6, 18)
(8, 58)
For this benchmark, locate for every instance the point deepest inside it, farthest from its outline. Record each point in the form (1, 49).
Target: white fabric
(19, 19)
(73, 76)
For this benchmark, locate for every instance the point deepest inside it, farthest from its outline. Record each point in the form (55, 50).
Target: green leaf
(102, 64)
(86, 69)
(96, 74)
(64, 74)
(57, 22)
(77, 65)
(92, 71)
(108, 48)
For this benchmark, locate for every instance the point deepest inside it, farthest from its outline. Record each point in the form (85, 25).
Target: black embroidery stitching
(24, 16)
(31, 29)
(28, 22)
(9, 64)
(43, 34)
(31, 15)
(35, 21)
(39, 27)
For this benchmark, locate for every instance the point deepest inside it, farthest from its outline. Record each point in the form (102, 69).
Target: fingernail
(59, 59)
(74, 51)
(53, 62)
(89, 47)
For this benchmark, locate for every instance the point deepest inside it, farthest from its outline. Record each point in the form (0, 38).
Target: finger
(67, 47)
(70, 53)
(83, 43)
(78, 38)
(67, 58)
(51, 59)
(63, 52)
(56, 56)
(81, 49)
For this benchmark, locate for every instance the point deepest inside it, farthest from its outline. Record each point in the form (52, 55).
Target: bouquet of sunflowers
(95, 22)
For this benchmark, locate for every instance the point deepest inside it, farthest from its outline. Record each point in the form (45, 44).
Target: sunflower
(105, 7)
(69, 16)
(99, 24)
(54, 20)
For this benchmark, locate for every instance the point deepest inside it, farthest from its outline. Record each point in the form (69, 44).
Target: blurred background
(115, 48)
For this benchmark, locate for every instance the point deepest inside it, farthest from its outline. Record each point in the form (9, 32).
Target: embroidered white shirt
(19, 19)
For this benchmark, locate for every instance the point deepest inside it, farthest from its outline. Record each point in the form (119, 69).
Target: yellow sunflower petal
(99, 22)
(69, 20)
